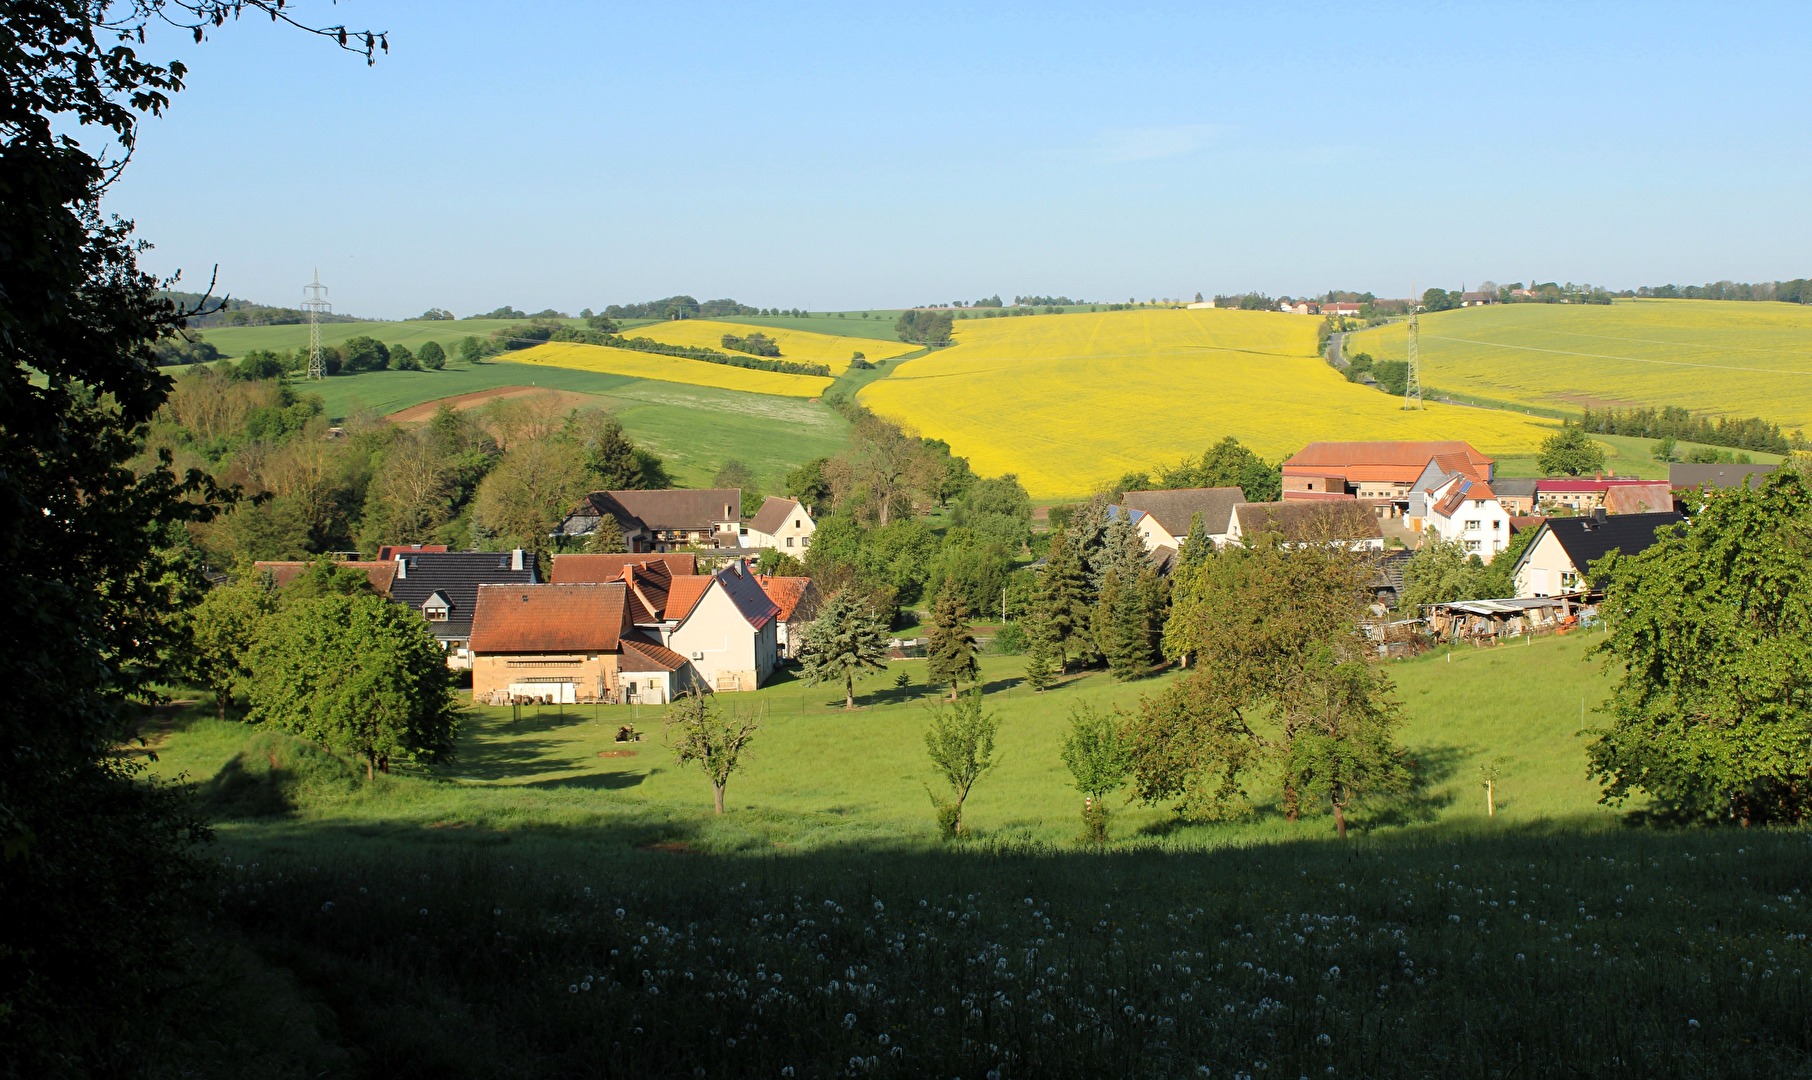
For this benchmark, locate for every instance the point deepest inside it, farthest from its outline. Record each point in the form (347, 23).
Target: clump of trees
(1707, 634)
(756, 344)
(924, 327)
(1227, 463)
(1681, 425)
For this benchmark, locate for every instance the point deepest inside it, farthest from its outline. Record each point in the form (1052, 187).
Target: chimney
(402, 567)
(516, 559)
(1600, 515)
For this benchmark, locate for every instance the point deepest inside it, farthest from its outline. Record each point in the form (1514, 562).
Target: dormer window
(436, 608)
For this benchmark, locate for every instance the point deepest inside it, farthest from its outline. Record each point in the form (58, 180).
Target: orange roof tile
(640, 654)
(684, 594)
(577, 568)
(786, 592)
(1402, 461)
(550, 618)
(381, 574)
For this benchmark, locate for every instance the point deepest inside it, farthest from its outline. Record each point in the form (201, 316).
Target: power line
(316, 305)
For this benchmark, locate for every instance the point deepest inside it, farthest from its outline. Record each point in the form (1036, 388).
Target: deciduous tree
(960, 742)
(699, 736)
(1570, 452)
(1099, 759)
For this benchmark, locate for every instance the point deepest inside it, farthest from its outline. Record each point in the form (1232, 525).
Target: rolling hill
(1070, 402)
(1711, 356)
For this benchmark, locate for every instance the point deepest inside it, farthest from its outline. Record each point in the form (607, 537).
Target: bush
(1009, 641)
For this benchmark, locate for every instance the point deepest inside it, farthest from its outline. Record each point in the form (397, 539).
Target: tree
(950, 646)
(1441, 572)
(842, 642)
(223, 629)
(1570, 452)
(1439, 300)
(1063, 600)
(607, 538)
(359, 675)
(432, 356)
(1099, 759)
(960, 742)
(697, 735)
(1281, 662)
(777, 563)
(1044, 654)
(364, 353)
(98, 865)
(1663, 449)
(1708, 639)
(808, 485)
(411, 494)
(529, 491)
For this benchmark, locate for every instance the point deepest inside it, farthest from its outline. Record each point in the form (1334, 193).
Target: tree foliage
(1570, 452)
(960, 743)
(950, 646)
(845, 640)
(357, 674)
(1708, 633)
(1099, 758)
(223, 629)
(698, 736)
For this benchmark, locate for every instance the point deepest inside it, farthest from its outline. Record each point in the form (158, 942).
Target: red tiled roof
(381, 573)
(1308, 521)
(1519, 522)
(1401, 461)
(580, 568)
(550, 618)
(648, 587)
(1639, 498)
(786, 592)
(684, 594)
(640, 654)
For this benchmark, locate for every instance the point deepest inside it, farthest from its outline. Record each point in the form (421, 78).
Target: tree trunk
(220, 704)
(1292, 809)
(1339, 819)
(370, 763)
(717, 790)
(849, 691)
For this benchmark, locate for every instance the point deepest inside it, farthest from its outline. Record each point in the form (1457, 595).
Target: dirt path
(421, 414)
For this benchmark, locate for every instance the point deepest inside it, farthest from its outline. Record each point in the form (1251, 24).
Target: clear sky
(572, 154)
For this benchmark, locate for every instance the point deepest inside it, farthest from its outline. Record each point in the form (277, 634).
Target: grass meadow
(1071, 402)
(675, 369)
(1717, 357)
(536, 910)
(797, 345)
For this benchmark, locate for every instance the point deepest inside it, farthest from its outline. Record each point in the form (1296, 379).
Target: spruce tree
(844, 640)
(1044, 653)
(1063, 599)
(607, 538)
(950, 649)
(1120, 626)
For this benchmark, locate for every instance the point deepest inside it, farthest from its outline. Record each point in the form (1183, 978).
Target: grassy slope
(239, 340)
(557, 920)
(878, 325)
(695, 429)
(1738, 359)
(821, 775)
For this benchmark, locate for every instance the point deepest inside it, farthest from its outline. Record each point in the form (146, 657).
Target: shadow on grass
(613, 781)
(1422, 803)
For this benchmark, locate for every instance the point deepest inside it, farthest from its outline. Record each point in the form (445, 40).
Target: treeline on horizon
(1674, 422)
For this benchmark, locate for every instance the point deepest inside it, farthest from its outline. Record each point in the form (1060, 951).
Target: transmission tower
(316, 305)
(1412, 383)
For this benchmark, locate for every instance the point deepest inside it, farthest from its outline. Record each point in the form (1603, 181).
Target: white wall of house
(793, 536)
(1546, 569)
(1156, 535)
(726, 652)
(1480, 526)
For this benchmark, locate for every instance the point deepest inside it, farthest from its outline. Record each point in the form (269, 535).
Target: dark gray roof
(1300, 521)
(1716, 476)
(1176, 509)
(456, 575)
(1588, 539)
(1516, 487)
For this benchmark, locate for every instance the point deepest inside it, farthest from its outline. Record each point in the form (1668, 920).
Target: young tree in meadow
(223, 629)
(1274, 631)
(950, 646)
(1099, 759)
(960, 742)
(1044, 653)
(1570, 452)
(358, 675)
(845, 640)
(1709, 638)
(698, 735)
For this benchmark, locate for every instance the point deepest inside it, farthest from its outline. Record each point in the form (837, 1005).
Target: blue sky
(574, 154)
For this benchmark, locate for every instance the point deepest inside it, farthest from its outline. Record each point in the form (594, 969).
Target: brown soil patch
(617, 753)
(421, 414)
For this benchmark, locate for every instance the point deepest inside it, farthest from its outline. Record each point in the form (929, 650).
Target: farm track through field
(421, 414)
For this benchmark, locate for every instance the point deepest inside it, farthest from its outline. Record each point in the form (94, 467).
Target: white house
(1164, 518)
(1464, 511)
(1558, 560)
(780, 523)
(726, 626)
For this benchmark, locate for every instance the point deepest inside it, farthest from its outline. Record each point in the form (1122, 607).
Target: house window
(1496, 525)
(435, 614)
(1472, 524)
(797, 524)
(1472, 545)
(789, 541)
(1569, 581)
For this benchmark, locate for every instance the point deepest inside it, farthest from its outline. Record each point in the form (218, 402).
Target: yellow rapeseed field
(1711, 356)
(801, 346)
(1071, 402)
(672, 369)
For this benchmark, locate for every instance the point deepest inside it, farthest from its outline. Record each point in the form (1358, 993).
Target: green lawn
(878, 325)
(1626, 456)
(239, 340)
(540, 911)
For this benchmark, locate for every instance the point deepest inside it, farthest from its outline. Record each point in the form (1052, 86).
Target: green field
(694, 429)
(537, 910)
(239, 340)
(1625, 455)
(1717, 357)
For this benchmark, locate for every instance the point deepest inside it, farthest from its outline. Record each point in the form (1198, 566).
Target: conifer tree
(1120, 626)
(845, 639)
(607, 538)
(950, 650)
(1063, 599)
(1044, 653)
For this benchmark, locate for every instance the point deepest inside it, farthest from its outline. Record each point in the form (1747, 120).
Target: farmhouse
(1164, 518)
(1616, 496)
(443, 587)
(562, 643)
(661, 520)
(1515, 494)
(1558, 559)
(780, 523)
(1338, 522)
(726, 626)
(1463, 511)
(1380, 473)
(1477, 299)
(1350, 311)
